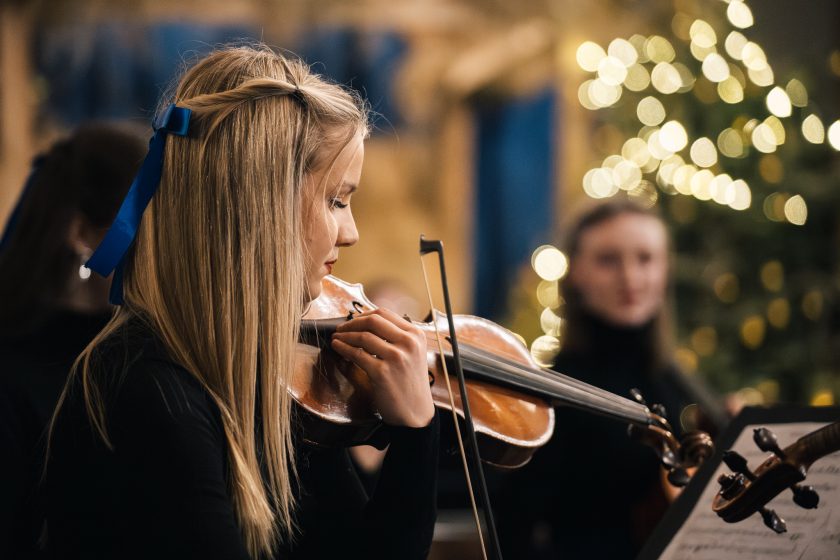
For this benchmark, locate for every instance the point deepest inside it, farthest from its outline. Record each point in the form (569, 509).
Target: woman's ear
(83, 237)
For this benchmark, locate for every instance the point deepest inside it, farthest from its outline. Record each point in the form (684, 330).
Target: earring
(84, 272)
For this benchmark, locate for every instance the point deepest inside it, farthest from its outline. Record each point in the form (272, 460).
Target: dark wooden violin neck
(816, 445)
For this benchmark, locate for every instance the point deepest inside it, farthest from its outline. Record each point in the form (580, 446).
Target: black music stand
(680, 510)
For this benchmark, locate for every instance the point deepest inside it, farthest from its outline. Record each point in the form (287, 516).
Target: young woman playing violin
(175, 435)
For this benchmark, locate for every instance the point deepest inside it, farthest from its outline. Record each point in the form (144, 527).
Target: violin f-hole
(357, 308)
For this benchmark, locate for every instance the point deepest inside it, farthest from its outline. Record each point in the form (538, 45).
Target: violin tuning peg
(737, 463)
(678, 477)
(767, 442)
(805, 496)
(730, 485)
(772, 520)
(659, 410)
(637, 396)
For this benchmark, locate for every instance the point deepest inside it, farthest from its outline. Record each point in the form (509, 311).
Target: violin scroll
(676, 456)
(745, 491)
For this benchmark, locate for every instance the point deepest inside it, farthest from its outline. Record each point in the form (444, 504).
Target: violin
(746, 492)
(511, 397)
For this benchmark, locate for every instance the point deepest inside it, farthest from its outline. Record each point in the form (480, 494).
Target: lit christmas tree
(745, 169)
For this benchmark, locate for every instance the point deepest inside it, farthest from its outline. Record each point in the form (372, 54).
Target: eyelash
(336, 203)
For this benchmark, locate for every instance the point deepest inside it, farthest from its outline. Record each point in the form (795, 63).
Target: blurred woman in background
(51, 307)
(593, 492)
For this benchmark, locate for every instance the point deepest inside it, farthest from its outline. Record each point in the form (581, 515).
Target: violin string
(458, 437)
(570, 394)
(554, 383)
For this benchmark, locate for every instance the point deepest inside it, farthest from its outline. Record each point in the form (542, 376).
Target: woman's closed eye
(337, 203)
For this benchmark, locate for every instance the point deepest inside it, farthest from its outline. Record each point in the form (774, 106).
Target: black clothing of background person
(33, 370)
(163, 490)
(592, 492)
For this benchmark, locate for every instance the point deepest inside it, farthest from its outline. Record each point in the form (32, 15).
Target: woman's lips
(329, 265)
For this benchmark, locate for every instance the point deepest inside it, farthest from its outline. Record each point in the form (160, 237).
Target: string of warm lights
(641, 62)
(664, 159)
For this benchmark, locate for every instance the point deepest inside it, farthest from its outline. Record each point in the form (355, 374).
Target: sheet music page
(811, 534)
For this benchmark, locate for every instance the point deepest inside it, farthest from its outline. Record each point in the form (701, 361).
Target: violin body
(511, 398)
(335, 401)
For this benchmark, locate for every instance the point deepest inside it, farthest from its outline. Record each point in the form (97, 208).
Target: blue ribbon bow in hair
(110, 255)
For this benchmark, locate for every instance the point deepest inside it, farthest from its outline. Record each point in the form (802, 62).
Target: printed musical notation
(811, 534)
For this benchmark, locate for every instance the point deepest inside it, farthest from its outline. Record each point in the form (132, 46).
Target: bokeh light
(583, 96)
(612, 71)
(727, 288)
(763, 77)
(771, 169)
(796, 210)
(743, 195)
(778, 313)
(665, 78)
(834, 135)
(763, 138)
(638, 78)
(752, 331)
(544, 349)
(739, 14)
(673, 136)
(722, 189)
(797, 93)
(773, 276)
(549, 262)
(701, 184)
(812, 305)
(734, 44)
(636, 150)
(730, 143)
(703, 152)
(624, 51)
(603, 94)
(813, 129)
(659, 49)
(704, 340)
(753, 56)
(778, 102)
(626, 175)
(589, 56)
(702, 34)
(550, 322)
(650, 111)
(715, 68)
(548, 294)
(730, 90)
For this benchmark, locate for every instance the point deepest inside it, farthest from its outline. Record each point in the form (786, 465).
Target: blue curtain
(119, 69)
(514, 195)
(365, 61)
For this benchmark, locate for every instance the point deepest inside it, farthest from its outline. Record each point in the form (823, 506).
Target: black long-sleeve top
(592, 491)
(163, 491)
(33, 369)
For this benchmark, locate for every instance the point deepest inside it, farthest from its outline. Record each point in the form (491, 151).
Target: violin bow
(435, 246)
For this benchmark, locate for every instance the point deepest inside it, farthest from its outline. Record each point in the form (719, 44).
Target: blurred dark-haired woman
(50, 306)
(592, 492)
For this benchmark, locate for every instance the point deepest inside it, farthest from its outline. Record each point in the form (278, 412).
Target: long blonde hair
(218, 266)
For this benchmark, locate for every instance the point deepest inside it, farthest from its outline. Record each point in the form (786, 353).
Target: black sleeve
(400, 516)
(170, 448)
(337, 519)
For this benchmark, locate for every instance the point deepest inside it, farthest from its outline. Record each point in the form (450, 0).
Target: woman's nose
(347, 233)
